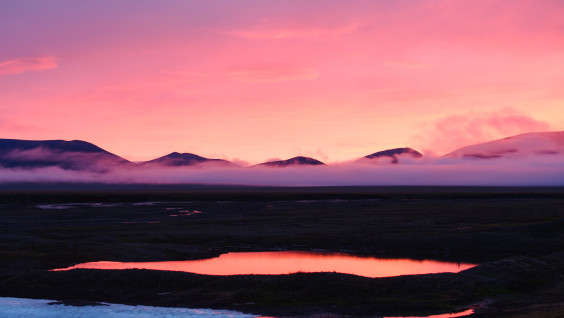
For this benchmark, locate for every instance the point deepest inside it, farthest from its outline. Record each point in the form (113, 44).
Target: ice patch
(64, 206)
(40, 308)
(144, 203)
(56, 206)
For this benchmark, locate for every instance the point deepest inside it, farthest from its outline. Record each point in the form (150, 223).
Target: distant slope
(393, 154)
(69, 155)
(296, 161)
(176, 159)
(523, 145)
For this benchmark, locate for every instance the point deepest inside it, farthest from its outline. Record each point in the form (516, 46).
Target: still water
(41, 308)
(287, 262)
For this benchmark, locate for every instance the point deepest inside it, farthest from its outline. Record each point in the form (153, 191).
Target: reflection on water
(66, 206)
(276, 263)
(40, 308)
(451, 315)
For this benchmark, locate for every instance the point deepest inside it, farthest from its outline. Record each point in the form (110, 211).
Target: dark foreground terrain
(517, 234)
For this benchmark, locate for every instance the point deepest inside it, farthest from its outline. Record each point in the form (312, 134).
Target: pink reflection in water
(276, 263)
(451, 315)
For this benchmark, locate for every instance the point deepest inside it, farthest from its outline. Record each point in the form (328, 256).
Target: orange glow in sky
(278, 263)
(254, 80)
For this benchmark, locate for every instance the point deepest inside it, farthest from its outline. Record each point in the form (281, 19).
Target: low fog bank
(541, 171)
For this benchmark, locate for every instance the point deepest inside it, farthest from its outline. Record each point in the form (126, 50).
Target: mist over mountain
(296, 161)
(176, 159)
(393, 155)
(526, 159)
(68, 155)
(533, 144)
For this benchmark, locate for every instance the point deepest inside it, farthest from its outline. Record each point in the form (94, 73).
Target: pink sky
(254, 80)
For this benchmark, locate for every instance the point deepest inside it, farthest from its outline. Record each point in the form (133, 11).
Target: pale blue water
(40, 308)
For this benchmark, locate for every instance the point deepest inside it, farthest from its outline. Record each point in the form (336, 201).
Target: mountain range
(176, 159)
(296, 161)
(393, 155)
(81, 155)
(528, 144)
(68, 155)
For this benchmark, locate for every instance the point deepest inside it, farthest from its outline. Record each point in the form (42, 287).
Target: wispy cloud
(274, 75)
(279, 33)
(406, 64)
(27, 64)
(451, 132)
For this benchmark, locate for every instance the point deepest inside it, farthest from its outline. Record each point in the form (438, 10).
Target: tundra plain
(516, 234)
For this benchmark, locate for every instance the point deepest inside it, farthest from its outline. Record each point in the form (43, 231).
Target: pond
(288, 262)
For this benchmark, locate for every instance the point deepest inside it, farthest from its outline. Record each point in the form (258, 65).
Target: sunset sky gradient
(253, 80)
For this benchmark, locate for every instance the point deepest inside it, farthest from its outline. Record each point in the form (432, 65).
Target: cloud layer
(27, 64)
(450, 132)
(545, 170)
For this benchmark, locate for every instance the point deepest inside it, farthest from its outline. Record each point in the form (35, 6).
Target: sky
(253, 80)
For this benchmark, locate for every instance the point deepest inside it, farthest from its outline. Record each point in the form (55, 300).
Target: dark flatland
(516, 233)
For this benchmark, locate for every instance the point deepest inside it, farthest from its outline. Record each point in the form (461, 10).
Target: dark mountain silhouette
(81, 155)
(518, 146)
(176, 159)
(69, 155)
(296, 161)
(393, 154)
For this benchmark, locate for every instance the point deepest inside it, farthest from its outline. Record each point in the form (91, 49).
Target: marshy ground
(517, 234)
